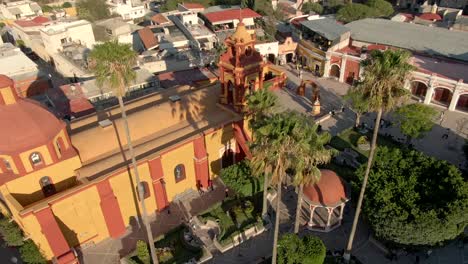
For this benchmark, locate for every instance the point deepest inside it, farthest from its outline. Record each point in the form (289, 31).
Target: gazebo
(325, 202)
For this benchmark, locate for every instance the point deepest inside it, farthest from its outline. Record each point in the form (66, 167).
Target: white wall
(268, 48)
(128, 12)
(78, 31)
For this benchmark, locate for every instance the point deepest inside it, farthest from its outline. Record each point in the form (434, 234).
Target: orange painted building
(68, 185)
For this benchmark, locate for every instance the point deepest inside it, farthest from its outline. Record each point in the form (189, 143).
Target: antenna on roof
(240, 14)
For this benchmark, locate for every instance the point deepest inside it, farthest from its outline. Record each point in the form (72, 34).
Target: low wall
(240, 238)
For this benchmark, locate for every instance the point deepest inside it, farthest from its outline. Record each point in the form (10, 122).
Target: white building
(68, 44)
(20, 9)
(56, 36)
(114, 29)
(29, 80)
(127, 9)
(269, 50)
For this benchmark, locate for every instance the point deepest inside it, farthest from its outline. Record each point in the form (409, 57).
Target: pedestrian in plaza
(226, 192)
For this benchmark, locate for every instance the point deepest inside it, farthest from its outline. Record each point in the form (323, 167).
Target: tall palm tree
(260, 104)
(112, 63)
(311, 154)
(273, 151)
(383, 86)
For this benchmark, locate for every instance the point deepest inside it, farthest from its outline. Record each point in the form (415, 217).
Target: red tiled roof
(159, 19)
(147, 37)
(430, 17)
(231, 14)
(193, 6)
(297, 21)
(329, 191)
(37, 21)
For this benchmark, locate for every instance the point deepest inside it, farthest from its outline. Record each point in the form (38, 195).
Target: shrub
(67, 5)
(362, 140)
(314, 7)
(352, 12)
(30, 253)
(142, 252)
(11, 233)
(295, 250)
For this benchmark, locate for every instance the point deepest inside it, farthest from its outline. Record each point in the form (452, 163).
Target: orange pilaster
(159, 188)
(57, 242)
(111, 209)
(201, 162)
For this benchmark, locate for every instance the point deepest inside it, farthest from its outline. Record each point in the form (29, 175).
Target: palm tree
(311, 154)
(384, 77)
(260, 104)
(273, 151)
(112, 63)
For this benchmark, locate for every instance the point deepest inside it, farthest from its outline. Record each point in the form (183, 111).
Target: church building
(70, 184)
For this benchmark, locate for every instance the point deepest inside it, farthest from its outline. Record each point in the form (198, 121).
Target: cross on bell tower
(240, 68)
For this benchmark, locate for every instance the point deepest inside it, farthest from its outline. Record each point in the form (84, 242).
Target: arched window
(144, 188)
(179, 172)
(36, 158)
(248, 51)
(59, 144)
(7, 164)
(47, 186)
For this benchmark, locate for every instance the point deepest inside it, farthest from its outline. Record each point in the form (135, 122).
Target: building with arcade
(439, 55)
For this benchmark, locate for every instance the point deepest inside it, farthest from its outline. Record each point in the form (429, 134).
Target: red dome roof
(430, 17)
(329, 191)
(5, 81)
(27, 124)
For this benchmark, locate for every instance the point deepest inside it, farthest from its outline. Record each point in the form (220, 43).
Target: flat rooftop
(15, 63)
(449, 69)
(429, 40)
(156, 123)
(326, 27)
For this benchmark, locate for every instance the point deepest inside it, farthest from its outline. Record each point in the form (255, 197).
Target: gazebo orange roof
(329, 191)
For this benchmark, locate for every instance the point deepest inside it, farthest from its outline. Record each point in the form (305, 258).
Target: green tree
(383, 86)
(47, 8)
(357, 102)
(93, 10)
(353, 12)
(314, 7)
(112, 63)
(142, 252)
(413, 199)
(273, 150)
(31, 254)
(260, 104)
(11, 233)
(380, 8)
(311, 154)
(415, 120)
(295, 250)
(66, 5)
(238, 177)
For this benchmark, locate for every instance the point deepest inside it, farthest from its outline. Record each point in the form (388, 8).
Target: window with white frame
(35, 158)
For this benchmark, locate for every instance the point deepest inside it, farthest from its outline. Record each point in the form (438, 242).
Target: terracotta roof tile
(159, 19)
(193, 6)
(148, 38)
(231, 14)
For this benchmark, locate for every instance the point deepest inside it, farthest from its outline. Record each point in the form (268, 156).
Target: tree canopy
(372, 8)
(415, 119)
(357, 102)
(93, 10)
(295, 250)
(238, 177)
(314, 7)
(413, 199)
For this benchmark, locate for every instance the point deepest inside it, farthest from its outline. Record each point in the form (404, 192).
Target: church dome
(25, 123)
(329, 191)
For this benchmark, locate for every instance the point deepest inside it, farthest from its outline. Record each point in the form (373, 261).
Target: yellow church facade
(68, 185)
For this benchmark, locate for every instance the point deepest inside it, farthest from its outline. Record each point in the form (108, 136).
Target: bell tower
(240, 68)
